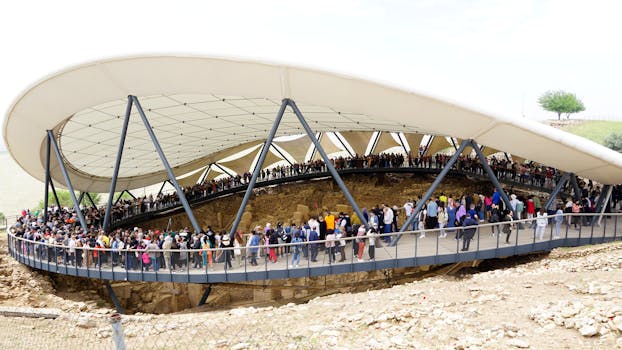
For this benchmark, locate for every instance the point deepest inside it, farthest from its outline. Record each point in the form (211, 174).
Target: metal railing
(209, 265)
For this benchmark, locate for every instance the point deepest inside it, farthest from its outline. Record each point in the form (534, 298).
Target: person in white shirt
(387, 219)
(408, 208)
(541, 222)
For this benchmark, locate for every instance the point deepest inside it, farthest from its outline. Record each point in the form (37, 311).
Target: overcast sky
(496, 56)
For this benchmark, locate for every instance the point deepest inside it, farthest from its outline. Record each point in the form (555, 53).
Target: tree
(561, 102)
(614, 141)
(65, 199)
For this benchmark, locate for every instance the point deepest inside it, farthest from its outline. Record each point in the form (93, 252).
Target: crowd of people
(155, 249)
(446, 213)
(526, 173)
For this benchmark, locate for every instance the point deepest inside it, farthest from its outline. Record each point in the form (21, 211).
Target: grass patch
(595, 130)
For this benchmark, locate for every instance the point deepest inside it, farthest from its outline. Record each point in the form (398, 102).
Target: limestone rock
(588, 331)
(240, 346)
(518, 343)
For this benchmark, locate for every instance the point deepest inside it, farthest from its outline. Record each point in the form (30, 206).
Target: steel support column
(171, 175)
(54, 192)
(375, 143)
(209, 167)
(113, 297)
(558, 187)
(327, 162)
(47, 179)
(319, 137)
(88, 195)
(281, 153)
(205, 295)
(59, 157)
(427, 146)
(257, 170)
(81, 197)
(575, 187)
(119, 197)
(161, 188)
(491, 175)
(432, 188)
(606, 202)
(223, 169)
(117, 166)
(600, 204)
(350, 153)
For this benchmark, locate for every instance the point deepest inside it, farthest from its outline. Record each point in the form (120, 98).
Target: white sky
(496, 56)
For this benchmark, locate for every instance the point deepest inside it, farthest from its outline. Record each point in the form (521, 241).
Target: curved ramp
(410, 252)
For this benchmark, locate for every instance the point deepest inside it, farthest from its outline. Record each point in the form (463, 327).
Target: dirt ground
(571, 299)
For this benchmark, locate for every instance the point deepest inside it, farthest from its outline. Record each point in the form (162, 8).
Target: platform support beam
(113, 297)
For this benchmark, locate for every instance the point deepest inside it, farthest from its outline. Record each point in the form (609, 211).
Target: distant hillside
(595, 130)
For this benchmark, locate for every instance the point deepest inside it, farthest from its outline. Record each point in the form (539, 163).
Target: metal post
(223, 169)
(491, 175)
(601, 204)
(161, 188)
(427, 145)
(433, 187)
(206, 294)
(204, 174)
(319, 137)
(88, 195)
(119, 197)
(375, 143)
(562, 181)
(256, 171)
(605, 203)
(54, 192)
(167, 166)
(47, 179)
(453, 143)
(113, 297)
(575, 186)
(117, 166)
(327, 162)
(76, 204)
(281, 153)
(81, 198)
(350, 153)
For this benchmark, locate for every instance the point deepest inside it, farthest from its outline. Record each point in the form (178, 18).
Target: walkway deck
(411, 251)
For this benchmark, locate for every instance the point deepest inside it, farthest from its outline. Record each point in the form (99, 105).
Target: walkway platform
(411, 251)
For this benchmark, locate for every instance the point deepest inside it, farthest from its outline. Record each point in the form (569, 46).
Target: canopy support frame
(117, 166)
(63, 169)
(167, 166)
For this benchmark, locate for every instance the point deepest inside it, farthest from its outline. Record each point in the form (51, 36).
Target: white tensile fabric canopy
(199, 106)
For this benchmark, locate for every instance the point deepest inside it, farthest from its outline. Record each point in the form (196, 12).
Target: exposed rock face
(296, 202)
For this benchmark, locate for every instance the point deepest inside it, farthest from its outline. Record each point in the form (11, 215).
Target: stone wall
(296, 202)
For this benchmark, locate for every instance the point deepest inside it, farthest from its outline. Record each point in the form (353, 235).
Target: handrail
(412, 250)
(348, 239)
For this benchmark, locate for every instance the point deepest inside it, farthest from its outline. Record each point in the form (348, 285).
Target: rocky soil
(571, 299)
